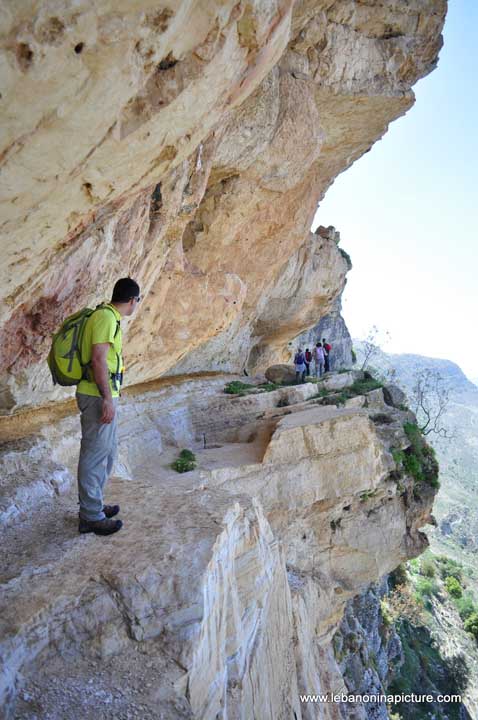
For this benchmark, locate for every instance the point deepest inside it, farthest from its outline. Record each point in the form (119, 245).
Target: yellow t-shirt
(100, 328)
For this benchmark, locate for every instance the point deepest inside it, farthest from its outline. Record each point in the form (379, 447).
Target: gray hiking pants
(97, 455)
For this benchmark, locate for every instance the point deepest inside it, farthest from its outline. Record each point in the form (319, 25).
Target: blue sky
(408, 213)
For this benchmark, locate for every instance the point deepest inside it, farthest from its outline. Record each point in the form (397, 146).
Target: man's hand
(108, 411)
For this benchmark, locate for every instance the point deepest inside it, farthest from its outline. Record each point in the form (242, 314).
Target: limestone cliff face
(186, 144)
(220, 597)
(332, 326)
(369, 652)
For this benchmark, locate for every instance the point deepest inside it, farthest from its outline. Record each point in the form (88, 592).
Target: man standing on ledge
(97, 398)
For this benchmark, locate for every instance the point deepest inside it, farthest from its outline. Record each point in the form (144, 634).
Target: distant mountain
(408, 365)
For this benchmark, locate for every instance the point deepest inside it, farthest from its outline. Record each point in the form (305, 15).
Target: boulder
(395, 397)
(280, 374)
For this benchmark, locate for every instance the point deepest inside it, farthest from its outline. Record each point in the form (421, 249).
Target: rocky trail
(215, 571)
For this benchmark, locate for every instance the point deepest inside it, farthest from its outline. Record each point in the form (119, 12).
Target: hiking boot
(109, 511)
(100, 527)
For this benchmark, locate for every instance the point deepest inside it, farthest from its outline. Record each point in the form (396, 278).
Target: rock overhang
(184, 172)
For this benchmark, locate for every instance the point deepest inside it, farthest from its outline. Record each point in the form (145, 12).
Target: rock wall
(332, 326)
(188, 146)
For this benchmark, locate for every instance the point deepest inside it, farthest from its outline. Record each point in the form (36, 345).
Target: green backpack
(64, 358)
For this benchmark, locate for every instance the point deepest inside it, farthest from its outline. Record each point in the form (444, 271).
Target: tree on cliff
(371, 346)
(429, 400)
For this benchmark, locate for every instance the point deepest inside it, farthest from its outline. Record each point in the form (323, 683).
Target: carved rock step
(193, 413)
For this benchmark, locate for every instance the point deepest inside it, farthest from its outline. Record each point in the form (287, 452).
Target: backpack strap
(102, 306)
(115, 377)
(86, 366)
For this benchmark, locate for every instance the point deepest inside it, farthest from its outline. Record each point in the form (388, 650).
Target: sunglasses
(137, 298)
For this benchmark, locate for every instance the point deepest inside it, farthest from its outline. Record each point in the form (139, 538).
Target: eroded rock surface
(188, 146)
(369, 652)
(232, 578)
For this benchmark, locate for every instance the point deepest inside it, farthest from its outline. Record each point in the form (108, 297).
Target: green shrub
(465, 606)
(367, 494)
(386, 614)
(398, 456)
(269, 386)
(453, 587)
(360, 387)
(354, 356)
(412, 431)
(450, 568)
(471, 624)
(425, 587)
(236, 387)
(430, 466)
(182, 466)
(427, 568)
(187, 455)
(419, 459)
(185, 462)
(412, 466)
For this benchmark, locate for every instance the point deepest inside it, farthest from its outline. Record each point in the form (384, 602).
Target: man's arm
(101, 375)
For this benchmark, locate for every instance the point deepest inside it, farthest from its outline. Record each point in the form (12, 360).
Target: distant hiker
(299, 362)
(319, 360)
(308, 360)
(97, 398)
(327, 349)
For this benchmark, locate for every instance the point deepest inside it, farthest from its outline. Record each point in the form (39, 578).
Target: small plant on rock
(418, 460)
(453, 587)
(387, 617)
(471, 625)
(425, 588)
(236, 387)
(398, 456)
(367, 494)
(427, 568)
(185, 462)
(269, 386)
(466, 606)
(450, 568)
